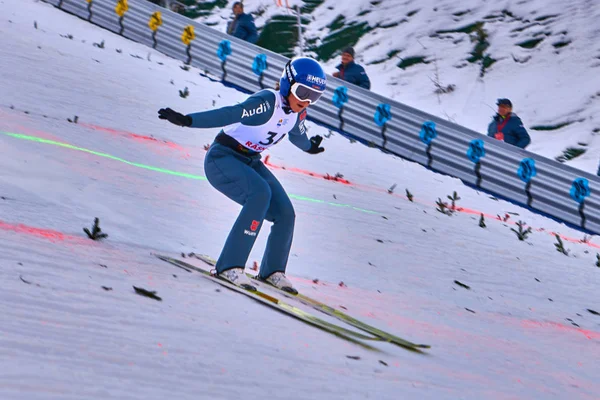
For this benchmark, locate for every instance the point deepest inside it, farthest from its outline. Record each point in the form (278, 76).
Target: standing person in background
(242, 26)
(233, 167)
(507, 126)
(350, 71)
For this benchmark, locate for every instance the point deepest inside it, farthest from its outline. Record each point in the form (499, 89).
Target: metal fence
(543, 185)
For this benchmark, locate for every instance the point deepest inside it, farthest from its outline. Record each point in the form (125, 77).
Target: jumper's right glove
(174, 117)
(315, 142)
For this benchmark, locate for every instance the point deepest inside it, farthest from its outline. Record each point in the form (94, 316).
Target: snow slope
(72, 326)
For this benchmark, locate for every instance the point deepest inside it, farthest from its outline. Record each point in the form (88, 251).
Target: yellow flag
(121, 7)
(188, 35)
(155, 21)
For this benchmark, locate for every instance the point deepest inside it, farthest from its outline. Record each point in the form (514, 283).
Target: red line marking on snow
(560, 327)
(514, 223)
(305, 172)
(139, 138)
(52, 235)
(489, 217)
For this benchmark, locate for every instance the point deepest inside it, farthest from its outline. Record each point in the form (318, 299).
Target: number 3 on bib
(270, 139)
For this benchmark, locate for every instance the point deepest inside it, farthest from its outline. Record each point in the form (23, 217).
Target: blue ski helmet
(308, 74)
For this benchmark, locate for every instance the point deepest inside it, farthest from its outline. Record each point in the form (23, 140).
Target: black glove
(174, 117)
(315, 141)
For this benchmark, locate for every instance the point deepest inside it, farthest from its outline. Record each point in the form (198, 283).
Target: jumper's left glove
(315, 142)
(174, 117)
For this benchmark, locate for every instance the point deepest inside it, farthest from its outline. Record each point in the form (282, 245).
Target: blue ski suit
(233, 167)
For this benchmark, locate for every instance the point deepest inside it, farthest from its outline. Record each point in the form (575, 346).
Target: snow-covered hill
(507, 319)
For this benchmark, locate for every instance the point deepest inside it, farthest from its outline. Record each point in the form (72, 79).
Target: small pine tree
(454, 198)
(560, 245)
(504, 219)
(586, 239)
(185, 93)
(443, 207)
(597, 260)
(409, 196)
(96, 233)
(521, 233)
(482, 221)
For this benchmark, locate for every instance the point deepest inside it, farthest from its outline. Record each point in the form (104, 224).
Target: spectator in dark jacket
(507, 126)
(242, 25)
(351, 72)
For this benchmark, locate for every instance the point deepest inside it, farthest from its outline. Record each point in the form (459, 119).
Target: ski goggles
(305, 93)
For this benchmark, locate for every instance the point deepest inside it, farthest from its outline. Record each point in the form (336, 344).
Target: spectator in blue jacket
(242, 26)
(351, 72)
(507, 126)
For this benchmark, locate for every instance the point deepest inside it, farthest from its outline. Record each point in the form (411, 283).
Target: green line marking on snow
(162, 170)
(96, 153)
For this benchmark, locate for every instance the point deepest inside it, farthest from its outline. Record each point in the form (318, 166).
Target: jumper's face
(296, 104)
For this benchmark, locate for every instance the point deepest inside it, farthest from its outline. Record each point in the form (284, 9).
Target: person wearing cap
(242, 26)
(350, 71)
(507, 126)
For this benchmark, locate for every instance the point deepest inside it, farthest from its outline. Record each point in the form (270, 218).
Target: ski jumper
(233, 167)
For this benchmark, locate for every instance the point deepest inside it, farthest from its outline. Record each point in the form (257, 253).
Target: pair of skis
(374, 334)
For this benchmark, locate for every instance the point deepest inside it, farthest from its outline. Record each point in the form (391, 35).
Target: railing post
(300, 37)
